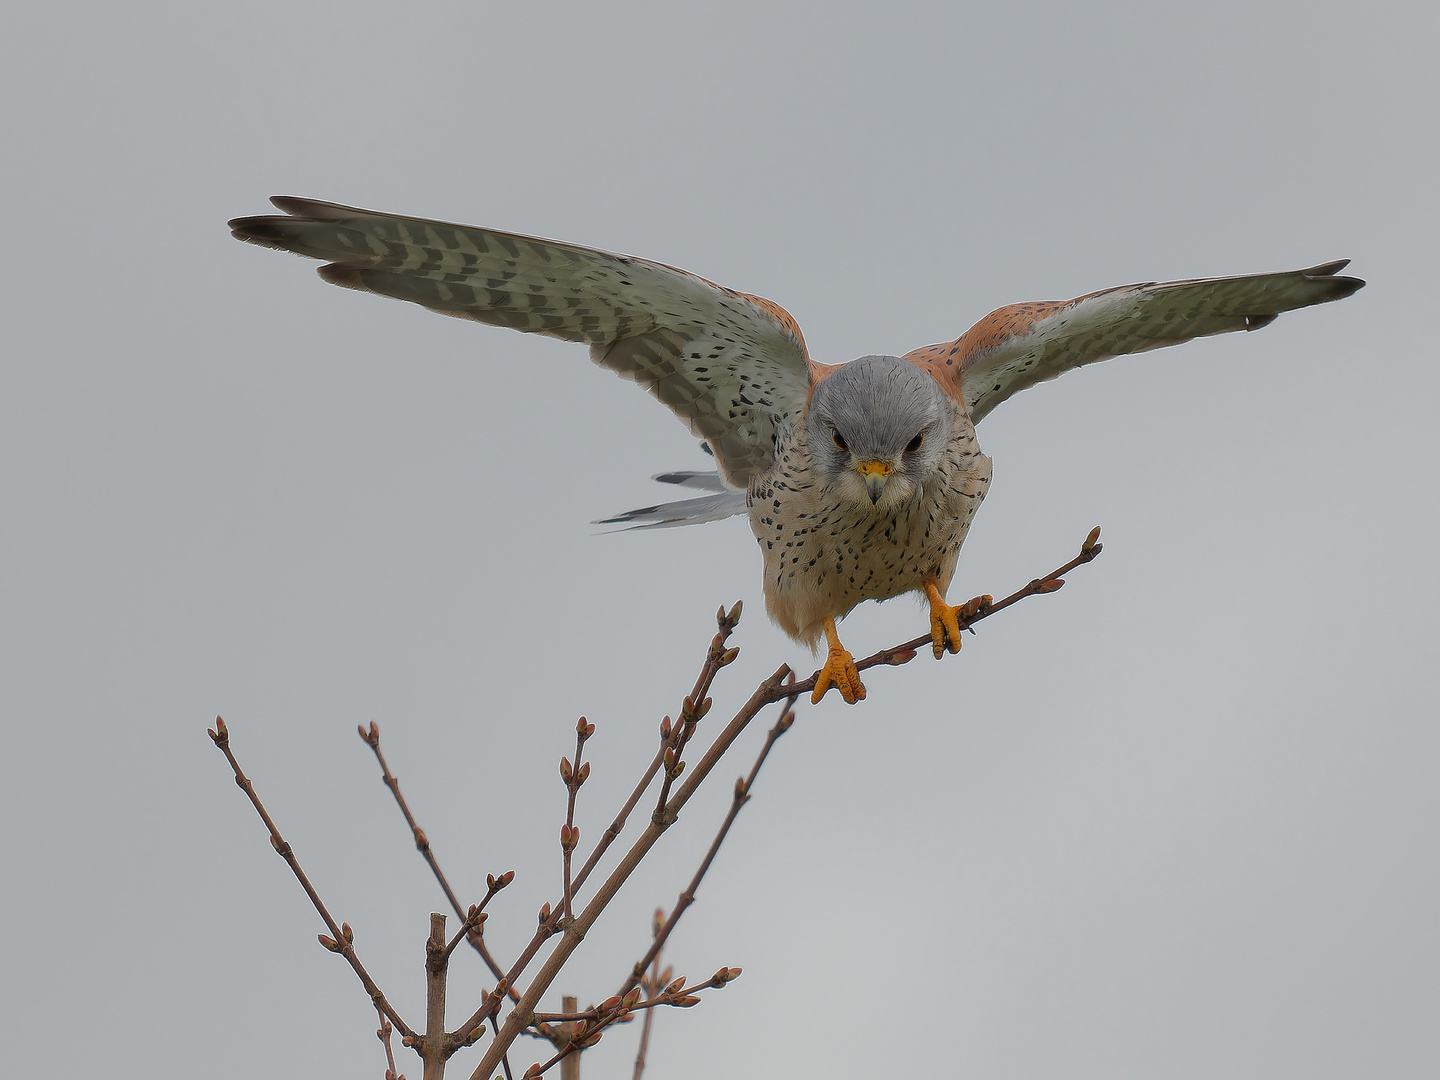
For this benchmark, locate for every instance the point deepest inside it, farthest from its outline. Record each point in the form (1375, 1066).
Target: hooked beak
(874, 473)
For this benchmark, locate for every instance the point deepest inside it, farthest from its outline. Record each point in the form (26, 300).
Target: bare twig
(384, 1036)
(743, 786)
(422, 843)
(342, 939)
(694, 708)
(573, 776)
(650, 984)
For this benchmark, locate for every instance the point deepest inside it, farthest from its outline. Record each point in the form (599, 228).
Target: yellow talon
(945, 620)
(838, 671)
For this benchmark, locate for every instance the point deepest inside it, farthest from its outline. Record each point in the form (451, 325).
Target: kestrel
(860, 479)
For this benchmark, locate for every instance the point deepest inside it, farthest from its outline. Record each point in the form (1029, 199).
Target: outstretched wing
(1018, 346)
(732, 367)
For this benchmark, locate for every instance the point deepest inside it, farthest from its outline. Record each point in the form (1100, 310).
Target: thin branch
(650, 985)
(743, 786)
(422, 844)
(695, 706)
(573, 777)
(342, 938)
(384, 1036)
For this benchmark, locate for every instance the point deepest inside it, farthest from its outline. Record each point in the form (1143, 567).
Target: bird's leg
(838, 670)
(945, 620)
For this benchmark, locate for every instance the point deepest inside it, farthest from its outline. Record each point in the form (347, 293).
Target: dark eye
(839, 439)
(914, 444)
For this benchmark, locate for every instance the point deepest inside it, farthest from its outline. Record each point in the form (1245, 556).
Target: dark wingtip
(1339, 287)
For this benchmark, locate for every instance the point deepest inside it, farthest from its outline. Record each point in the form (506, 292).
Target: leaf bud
(677, 770)
(349, 934)
(728, 656)
(786, 721)
(565, 771)
(1091, 541)
(665, 728)
(329, 943)
(739, 787)
(582, 774)
(545, 911)
(609, 1004)
(734, 617)
(686, 1001)
(1051, 586)
(630, 999)
(676, 986)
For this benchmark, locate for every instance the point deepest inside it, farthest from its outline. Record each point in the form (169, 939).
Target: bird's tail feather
(725, 503)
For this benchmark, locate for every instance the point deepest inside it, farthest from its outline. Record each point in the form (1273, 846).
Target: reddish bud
(533, 1070)
(421, 840)
(545, 911)
(726, 974)
(474, 1036)
(734, 617)
(329, 943)
(609, 1003)
(703, 708)
(1091, 541)
(686, 1001)
(665, 728)
(786, 721)
(739, 787)
(347, 932)
(676, 986)
(902, 657)
(630, 999)
(580, 726)
(582, 774)
(506, 878)
(592, 1040)
(565, 771)
(677, 770)
(1051, 586)
(728, 657)
(407, 1041)
(580, 1029)
(658, 922)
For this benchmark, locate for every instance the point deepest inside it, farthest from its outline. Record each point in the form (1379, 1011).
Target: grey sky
(1177, 820)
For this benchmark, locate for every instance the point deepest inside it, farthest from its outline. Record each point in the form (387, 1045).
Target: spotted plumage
(860, 479)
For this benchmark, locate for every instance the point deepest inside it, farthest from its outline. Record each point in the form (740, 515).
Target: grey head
(876, 429)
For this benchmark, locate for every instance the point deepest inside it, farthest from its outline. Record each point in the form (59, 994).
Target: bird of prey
(860, 479)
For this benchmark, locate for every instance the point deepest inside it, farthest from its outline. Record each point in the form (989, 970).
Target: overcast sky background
(1178, 820)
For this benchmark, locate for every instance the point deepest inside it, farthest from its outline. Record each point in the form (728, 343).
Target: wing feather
(732, 367)
(1018, 346)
